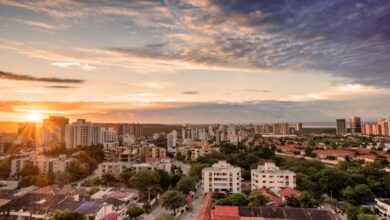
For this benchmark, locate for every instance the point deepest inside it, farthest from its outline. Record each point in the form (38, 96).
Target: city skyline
(194, 61)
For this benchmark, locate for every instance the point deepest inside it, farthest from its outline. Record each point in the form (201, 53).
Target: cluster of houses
(41, 203)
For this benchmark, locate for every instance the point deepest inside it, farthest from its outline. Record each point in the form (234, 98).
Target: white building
(116, 168)
(383, 206)
(271, 177)
(45, 164)
(172, 141)
(81, 133)
(84, 133)
(222, 177)
(113, 168)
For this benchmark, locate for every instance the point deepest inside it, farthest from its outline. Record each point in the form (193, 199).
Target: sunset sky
(195, 61)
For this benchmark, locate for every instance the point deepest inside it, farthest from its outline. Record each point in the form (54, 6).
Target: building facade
(222, 177)
(271, 177)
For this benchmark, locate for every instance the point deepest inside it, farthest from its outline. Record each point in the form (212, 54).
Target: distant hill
(8, 126)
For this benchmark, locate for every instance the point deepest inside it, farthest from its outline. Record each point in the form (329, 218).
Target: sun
(35, 116)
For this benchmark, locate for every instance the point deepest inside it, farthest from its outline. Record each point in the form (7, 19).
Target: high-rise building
(355, 125)
(134, 129)
(82, 133)
(298, 127)
(61, 122)
(222, 177)
(341, 126)
(264, 129)
(281, 129)
(172, 140)
(384, 126)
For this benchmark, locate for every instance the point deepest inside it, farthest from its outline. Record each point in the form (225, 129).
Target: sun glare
(35, 116)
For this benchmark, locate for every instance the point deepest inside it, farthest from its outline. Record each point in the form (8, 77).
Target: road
(156, 212)
(196, 206)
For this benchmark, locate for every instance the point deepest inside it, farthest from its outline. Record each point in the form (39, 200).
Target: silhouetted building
(341, 126)
(356, 127)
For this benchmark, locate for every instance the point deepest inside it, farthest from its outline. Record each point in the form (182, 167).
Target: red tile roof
(274, 199)
(337, 153)
(4, 202)
(204, 213)
(111, 216)
(225, 213)
(287, 192)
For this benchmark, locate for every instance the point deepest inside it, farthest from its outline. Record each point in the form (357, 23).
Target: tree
(196, 169)
(67, 215)
(306, 200)
(292, 201)
(77, 171)
(61, 178)
(147, 207)
(164, 179)
(109, 180)
(172, 200)
(358, 194)
(363, 216)
(186, 184)
(235, 199)
(29, 171)
(146, 182)
(134, 212)
(257, 199)
(125, 176)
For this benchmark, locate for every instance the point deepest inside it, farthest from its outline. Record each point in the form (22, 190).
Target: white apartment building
(84, 133)
(383, 206)
(222, 177)
(271, 177)
(113, 168)
(172, 140)
(81, 133)
(45, 164)
(116, 168)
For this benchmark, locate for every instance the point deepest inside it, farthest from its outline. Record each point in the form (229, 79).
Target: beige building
(45, 164)
(222, 177)
(152, 152)
(116, 168)
(271, 177)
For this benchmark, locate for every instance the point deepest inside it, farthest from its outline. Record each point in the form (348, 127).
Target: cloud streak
(19, 77)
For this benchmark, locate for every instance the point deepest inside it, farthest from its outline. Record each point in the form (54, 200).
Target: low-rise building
(45, 164)
(383, 206)
(222, 177)
(271, 177)
(152, 152)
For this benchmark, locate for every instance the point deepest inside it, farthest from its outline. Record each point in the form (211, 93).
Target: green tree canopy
(257, 199)
(173, 200)
(145, 182)
(67, 215)
(134, 212)
(235, 199)
(186, 184)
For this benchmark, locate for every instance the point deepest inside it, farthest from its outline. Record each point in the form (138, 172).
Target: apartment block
(45, 164)
(271, 177)
(222, 177)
